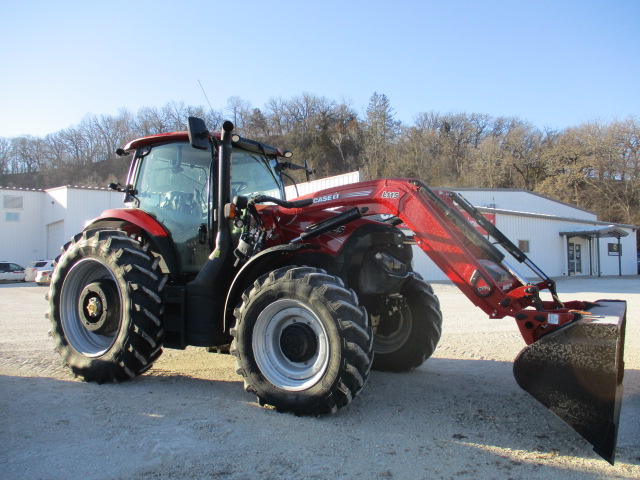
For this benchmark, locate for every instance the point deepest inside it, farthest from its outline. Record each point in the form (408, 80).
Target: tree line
(594, 165)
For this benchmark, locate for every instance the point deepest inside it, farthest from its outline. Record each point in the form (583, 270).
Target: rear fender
(136, 217)
(140, 223)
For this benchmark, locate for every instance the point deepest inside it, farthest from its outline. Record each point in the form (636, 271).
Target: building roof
(548, 216)
(518, 190)
(608, 231)
(22, 189)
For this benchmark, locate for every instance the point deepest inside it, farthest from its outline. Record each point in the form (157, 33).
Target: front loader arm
(474, 264)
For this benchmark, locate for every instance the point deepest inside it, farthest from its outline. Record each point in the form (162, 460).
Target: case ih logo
(326, 198)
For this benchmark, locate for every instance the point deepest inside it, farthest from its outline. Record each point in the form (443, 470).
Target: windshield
(252, 174)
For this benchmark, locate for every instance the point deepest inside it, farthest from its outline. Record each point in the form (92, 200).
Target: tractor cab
(177, 184)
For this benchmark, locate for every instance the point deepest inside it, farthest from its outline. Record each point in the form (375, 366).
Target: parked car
(31, 271)
(43, 277)
(11, 272)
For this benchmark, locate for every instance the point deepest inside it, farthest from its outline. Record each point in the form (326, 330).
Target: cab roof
(183, 136)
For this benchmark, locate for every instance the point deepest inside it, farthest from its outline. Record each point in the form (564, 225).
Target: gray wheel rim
(82, 340)
(395, 340)
(276, 367)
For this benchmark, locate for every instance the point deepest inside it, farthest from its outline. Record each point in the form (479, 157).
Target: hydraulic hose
(281, 203)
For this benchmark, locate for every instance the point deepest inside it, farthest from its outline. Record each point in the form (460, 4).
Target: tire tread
(350, 319)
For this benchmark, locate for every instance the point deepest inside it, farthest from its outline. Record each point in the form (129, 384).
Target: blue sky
(553, 63)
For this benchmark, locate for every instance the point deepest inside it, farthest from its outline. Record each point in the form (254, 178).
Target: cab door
(173, 186)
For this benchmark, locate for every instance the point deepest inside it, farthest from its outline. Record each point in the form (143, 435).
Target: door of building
(575, 259)
(55, 238)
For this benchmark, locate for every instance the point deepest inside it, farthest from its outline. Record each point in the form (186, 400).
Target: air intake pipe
(211, 269)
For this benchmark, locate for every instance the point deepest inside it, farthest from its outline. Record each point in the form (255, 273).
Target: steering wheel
(239, 186)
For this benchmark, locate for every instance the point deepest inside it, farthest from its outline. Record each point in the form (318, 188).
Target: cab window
(173, 186)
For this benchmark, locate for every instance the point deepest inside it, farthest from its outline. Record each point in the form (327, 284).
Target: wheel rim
(290, 345)
(394, 332)
(90, 307)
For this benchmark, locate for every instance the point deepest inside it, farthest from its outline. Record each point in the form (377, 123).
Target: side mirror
(198, 133)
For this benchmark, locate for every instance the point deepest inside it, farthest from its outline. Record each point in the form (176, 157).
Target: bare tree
(380, 131)
(5, 155)
(27, 154)
(257, 125)
(344, 133)
(238, 110)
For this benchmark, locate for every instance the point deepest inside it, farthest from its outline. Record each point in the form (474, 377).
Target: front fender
(264, 262)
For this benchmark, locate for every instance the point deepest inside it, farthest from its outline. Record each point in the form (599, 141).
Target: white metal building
(34, 224)
(561, 239)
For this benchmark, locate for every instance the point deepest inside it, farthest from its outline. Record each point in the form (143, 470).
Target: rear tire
(408, 329)
(105, 306)
(301, 341)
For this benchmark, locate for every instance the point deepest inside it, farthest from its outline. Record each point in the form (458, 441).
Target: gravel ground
(459, 416)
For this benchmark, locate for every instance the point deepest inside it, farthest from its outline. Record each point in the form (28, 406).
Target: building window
(13, 201)
(523, 245)
(12, 216)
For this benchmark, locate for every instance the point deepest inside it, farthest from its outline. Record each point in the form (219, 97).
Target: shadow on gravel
(147, 401)
(478, 403)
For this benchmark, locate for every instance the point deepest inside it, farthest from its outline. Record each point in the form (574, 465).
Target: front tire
(408, 328)
(301, 341)
(105, 306)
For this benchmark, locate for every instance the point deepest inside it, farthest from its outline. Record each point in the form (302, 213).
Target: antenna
(205, 95)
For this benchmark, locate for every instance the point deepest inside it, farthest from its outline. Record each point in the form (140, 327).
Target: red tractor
(309, 294)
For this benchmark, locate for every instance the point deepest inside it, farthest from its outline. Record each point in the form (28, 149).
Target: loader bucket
(576, 372)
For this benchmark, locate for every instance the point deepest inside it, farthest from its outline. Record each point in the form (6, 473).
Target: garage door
(55, 238)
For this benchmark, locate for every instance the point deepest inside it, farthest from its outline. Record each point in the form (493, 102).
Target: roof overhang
(608, 231)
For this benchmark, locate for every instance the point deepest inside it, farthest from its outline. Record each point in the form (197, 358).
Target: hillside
(93, 175)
